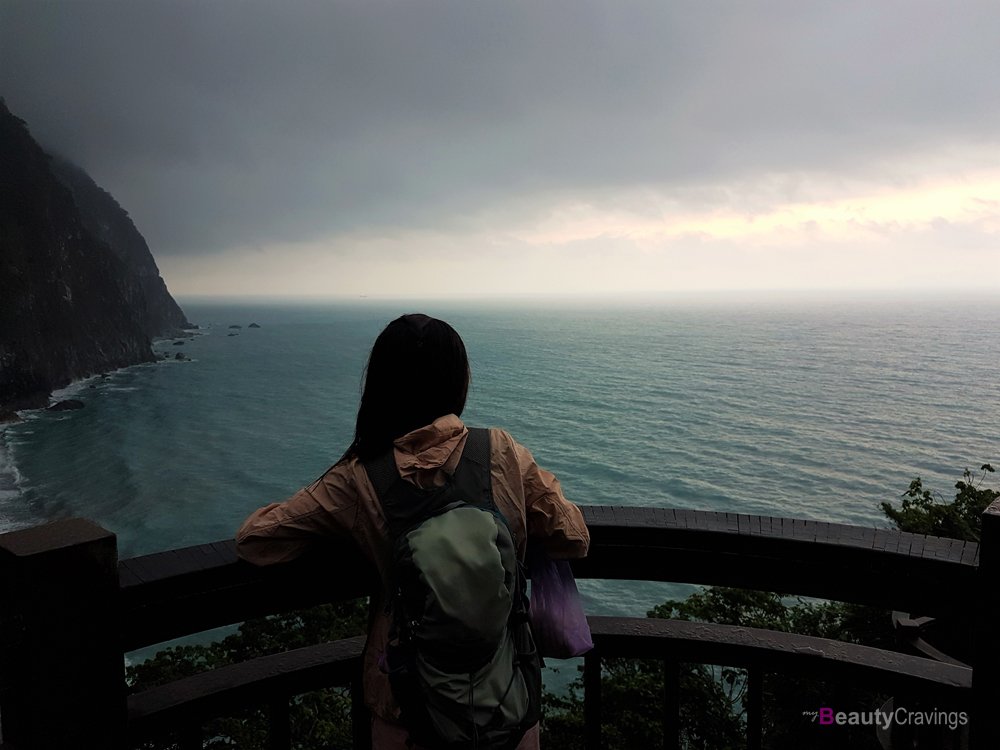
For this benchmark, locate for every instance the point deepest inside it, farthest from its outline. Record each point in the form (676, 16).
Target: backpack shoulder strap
(383, 473)
(472, 476)
(401, 501)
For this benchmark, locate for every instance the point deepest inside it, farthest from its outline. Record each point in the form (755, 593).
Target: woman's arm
(280, 532)
(552, 520)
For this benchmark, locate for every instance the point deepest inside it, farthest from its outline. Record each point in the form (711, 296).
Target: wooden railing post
(671, 705)
(279, 734)
(61, 669)
(985, 729)
(361, 720)
(755, 708)
(592, 700)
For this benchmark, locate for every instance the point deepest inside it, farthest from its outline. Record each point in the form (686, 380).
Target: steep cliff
(106, 220)
(70, 306)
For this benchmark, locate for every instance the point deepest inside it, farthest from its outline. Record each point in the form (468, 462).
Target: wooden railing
(69, 610)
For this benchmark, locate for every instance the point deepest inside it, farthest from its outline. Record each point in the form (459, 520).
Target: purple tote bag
(557, 618)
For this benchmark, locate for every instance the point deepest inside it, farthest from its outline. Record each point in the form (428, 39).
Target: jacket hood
(425, 455)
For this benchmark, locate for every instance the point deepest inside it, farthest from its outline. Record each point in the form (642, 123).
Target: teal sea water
(812, 408)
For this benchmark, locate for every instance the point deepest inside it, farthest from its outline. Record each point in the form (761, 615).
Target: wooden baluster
(671, 705)
(361, 720)
(190, 738)
(592, 700)
(985, 729)
(755, 708)
(279, 733)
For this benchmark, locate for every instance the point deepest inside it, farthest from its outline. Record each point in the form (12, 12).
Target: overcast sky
(437, 148)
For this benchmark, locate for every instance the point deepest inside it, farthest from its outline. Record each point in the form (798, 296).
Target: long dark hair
(418, 371)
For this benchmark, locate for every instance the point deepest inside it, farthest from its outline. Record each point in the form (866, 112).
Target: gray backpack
(461, 658)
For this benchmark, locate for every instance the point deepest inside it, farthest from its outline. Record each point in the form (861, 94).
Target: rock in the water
(253, 325)
(9, 416)
(67, 405)
(178, 343)
(234, 334)
(235, 326)
(180, 356)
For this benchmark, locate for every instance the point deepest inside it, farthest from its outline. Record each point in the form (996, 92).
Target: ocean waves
(812, 411)
(10, 479)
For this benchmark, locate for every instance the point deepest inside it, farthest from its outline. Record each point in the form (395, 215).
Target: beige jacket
(342, 503)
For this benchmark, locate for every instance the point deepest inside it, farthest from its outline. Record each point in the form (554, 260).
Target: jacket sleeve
(280, 532)
(551, 519)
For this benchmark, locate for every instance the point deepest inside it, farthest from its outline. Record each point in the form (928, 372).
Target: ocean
(807, 406)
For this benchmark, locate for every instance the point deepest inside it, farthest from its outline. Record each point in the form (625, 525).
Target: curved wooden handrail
(785, 653)
(174, 593)
(217, 692)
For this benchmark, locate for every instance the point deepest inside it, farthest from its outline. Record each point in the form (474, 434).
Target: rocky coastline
(80, 292)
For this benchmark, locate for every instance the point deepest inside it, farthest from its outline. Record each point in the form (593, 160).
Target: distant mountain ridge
(80, 292)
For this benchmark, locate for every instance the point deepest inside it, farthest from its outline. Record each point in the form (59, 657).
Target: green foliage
(787, 697)
(922, 513)
(712, 707)
(320, 719)
(632, 707)
(770, 611)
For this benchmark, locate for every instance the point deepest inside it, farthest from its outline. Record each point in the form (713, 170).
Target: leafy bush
(320, 720)
(922, 513)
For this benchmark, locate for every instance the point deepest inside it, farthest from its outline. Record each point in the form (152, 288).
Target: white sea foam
(193, 334)
(74, 388)
(10, 477)
(10, 481)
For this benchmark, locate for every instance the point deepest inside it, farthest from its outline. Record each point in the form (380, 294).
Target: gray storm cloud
(232, 123)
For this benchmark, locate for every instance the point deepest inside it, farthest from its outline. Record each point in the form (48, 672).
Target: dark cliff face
(106, 220)
(69, 305)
